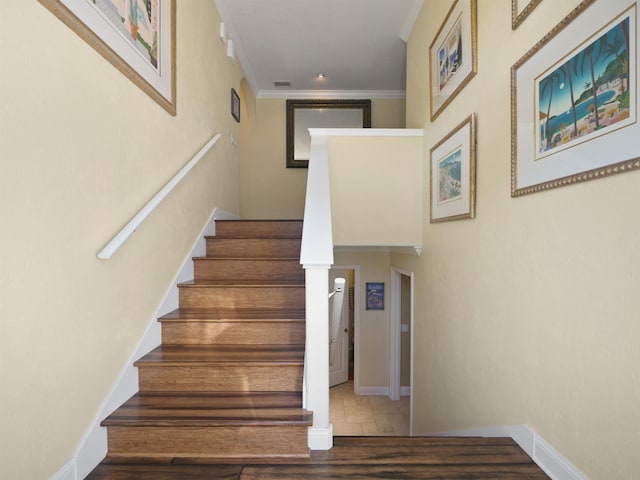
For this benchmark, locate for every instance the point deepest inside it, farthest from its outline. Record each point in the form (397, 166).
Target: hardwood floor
(354, 457)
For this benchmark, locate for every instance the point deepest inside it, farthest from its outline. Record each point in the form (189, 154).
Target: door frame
(395, 336)
(356, 321)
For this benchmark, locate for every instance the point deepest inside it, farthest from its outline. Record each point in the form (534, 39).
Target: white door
(339, 370)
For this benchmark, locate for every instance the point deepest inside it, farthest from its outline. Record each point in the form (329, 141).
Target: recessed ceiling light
(320, 76)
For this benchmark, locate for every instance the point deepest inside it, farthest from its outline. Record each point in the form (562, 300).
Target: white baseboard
(372, 391)
(67, 472)
(320, 438)
(93, 446)
(404, 391)
(541, 452)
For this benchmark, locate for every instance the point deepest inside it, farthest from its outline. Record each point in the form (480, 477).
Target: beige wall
(373, 347)
(269, 189)
(81, 150)
(366, 207)
(527, 314)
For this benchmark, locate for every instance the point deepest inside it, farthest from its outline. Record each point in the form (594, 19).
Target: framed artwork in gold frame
(138, 37)
(453, 55)
(453, 174)
(520, 9)
(574, 100)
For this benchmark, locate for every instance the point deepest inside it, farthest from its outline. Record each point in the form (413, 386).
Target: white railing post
(316, 256)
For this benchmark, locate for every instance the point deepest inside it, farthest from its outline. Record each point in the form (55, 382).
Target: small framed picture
(235, 104)
(453, 174)
(453, 55)
(375, 296)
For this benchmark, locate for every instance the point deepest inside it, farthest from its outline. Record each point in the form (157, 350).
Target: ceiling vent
(283, 84)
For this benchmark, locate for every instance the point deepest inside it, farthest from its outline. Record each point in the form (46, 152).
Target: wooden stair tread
(203, 410)
(242, 283)
(258, 228)
(219, 400)
(247, 259)
(235, 314)
(202, 355)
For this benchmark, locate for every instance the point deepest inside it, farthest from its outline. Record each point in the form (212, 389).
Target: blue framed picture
(375, 296)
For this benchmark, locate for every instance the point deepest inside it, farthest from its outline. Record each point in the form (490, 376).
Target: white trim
(554, 464)
(406, 391)
(320, 438)
(372, 391)
(366, 132)
(407, 28)
(395, 336)
(356, 321)
(333, 94)
(116, 242)
(67, 472)
(93, 446)
(545, 456)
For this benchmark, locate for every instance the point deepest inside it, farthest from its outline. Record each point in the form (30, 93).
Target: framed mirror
(305, 114)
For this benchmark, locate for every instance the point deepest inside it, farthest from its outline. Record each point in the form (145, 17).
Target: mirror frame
(293, 105)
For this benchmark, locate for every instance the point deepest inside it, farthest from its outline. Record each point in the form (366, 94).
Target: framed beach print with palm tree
(573, 96)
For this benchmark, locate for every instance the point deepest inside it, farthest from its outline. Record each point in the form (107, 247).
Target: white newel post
(317, 352)
(316, 256)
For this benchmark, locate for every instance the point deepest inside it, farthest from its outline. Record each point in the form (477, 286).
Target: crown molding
(334, 94)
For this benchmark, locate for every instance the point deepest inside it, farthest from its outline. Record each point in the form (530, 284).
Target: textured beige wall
(269, 189)
(376, 190)
(527, 314)
(81, 150)
(373, 351)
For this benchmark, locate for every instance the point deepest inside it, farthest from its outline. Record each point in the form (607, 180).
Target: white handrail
(122, 236)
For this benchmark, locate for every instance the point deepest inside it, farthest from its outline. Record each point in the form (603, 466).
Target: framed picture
(375, 296)
(520, 9)
(305, 114)
(138, 37)
(452, 55)
(453, 174)
(235, 104)
(574, 100)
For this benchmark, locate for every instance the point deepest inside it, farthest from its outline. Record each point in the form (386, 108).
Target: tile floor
(353, 414)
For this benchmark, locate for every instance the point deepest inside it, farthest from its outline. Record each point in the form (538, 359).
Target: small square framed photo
(375, 296)
(235, 105)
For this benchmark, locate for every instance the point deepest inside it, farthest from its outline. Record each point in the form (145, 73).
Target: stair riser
(241, 297)
(234, 269)
(253, 248)
(281, 378)
(229, 333)
(212, 442)
(259, 228)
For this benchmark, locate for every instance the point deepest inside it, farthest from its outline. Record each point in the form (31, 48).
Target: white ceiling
(358, 44)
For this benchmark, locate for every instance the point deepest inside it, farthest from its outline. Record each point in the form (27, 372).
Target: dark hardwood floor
(352, 457)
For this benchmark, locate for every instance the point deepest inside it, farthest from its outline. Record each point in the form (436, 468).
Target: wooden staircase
(227, 380)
